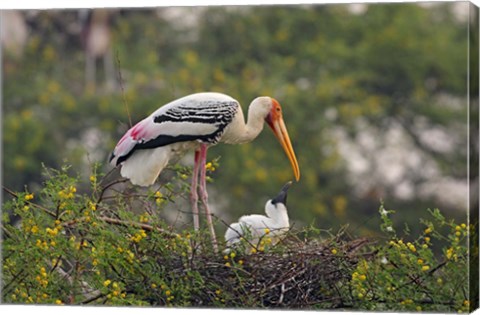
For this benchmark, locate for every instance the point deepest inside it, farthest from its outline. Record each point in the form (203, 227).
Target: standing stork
(196, 121)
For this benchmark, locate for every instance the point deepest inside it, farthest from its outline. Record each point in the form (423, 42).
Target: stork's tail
(144, 166)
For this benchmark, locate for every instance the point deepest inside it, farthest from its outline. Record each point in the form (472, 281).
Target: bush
(108, 245)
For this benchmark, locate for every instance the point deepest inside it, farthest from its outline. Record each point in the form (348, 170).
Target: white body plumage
(254, 227)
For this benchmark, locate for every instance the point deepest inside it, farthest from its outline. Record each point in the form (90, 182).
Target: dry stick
(104, 189)
(123, 91)
(124, 223)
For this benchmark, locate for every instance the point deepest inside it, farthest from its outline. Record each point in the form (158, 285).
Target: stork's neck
(254, 124)
(241, 132)
(277, 213)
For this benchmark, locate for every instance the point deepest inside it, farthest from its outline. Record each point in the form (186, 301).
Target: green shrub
(109, 245)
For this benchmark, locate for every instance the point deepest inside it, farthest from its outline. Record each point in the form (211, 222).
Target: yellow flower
(240, 262)
(168, 293)
(29, 197)
(93, 178)
(232, 254)
(334, 251)
(58, 302)
(267, 231)
(428, 230)
(107, 282)
(227, 264)
(458, 228)
(153, 285)
(34, 230)
(425, 268)
(463, 225)
(449, 253)
(420, 261)
(218, 291)
(158, 194)
(52, 232)
(209, 167)
(427, 239)
(362, 277)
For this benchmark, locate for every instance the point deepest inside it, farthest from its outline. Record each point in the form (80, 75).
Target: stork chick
(255, 227)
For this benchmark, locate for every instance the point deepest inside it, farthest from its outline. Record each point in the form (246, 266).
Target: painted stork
(196, 121)
(254, 227)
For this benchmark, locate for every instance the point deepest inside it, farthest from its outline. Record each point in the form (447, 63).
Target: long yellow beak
(275, 121)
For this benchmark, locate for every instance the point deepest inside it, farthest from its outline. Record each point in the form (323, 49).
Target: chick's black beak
(282, 196)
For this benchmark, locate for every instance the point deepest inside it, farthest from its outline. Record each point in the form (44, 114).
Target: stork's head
(274, 119)
(282, 195)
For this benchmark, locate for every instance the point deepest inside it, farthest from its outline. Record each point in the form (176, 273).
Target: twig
(123, 91)
(13, 194)
(140, 225)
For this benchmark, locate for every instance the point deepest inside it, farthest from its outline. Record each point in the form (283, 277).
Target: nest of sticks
(302, 275)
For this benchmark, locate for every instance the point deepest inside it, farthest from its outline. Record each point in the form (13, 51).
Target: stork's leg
(193, 191)
(204, 194)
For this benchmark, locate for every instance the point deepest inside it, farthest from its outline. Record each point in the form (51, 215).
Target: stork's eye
(278, 109)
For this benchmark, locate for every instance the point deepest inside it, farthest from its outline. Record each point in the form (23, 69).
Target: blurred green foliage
(389, 64)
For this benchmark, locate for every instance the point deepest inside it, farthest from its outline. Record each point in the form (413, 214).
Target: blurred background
(374, 98)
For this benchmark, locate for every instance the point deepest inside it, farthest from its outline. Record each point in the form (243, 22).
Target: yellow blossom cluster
(460, 230)
(144, 218)
(42, 277)
(138, 236)
(41, 244)
(115, 289)
(401, 245)
(359, 278)
(29, 197)
(218, 297)
(92, 206)
(52, 232)
(209, 167)
(450, 253)
(67, 193)
(158, 198)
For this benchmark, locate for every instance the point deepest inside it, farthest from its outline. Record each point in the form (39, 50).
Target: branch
(13, 194)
